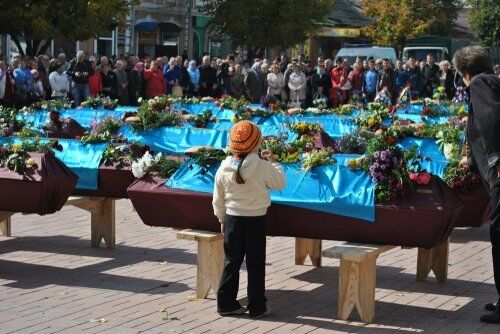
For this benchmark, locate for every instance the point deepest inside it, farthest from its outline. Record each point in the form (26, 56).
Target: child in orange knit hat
(241, 198)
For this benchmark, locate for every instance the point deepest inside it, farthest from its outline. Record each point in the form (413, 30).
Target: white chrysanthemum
(137, 169)
(147, 159)
(158, 157)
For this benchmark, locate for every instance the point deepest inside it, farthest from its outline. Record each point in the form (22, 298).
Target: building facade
(155, 28)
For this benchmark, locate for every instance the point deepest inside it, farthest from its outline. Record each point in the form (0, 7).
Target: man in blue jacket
(483, 135)
(370, 82)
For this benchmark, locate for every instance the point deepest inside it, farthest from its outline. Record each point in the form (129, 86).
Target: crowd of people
(129, 78)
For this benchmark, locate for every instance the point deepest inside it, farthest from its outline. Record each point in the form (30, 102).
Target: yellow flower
(30, 162)
(16, 147)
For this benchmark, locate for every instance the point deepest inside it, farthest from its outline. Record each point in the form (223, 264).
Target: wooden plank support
(308, 247)
(102, 218)
(210, 261)
(5, 223)
(357, 277)
(435, 259)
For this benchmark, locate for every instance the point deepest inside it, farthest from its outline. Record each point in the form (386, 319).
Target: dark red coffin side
(423, 220)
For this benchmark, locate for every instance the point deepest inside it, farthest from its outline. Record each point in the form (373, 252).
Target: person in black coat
(136, 86)
(109, 82)
(208, 78)
(483, 135)
(431, 76)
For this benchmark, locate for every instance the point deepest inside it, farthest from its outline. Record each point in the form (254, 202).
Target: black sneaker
(491, 307)
(238, 311)
(492, 318)
(261, 315)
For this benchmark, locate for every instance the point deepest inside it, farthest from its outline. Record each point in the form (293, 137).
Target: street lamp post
(190, 29)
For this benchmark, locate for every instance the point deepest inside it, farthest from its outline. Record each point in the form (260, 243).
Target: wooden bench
(357, 276)
(210, 259)
(102, 218)
(434, 259)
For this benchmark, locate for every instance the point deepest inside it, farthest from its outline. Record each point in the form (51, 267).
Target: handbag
(177, 90)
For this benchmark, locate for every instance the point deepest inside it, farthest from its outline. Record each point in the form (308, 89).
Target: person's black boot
(490, 307)
(492, 318)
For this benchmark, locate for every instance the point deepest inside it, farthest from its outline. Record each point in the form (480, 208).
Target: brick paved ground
(52, 281)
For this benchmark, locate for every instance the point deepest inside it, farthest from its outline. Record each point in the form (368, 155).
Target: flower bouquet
(267, 100)
(164, 166)
(460, 179)
(354, 143)
(229, 102)
(56, 104)
(95, 102)
(9, 122)
(386, 165)
(206, 157)
(184, 101)
(461, 95)
(317, 157)
(282, 151)
(383, 97)
(103, 131)
(201, 120)
(16, 157)
(439, 94)
(156, 113)
(303, 128)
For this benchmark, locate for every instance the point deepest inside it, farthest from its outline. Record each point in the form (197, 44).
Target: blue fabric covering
(335, 126)
(175, 139)
(83, 160)
(417, 117)
(433, 160)
(198, 108)
(333, 189)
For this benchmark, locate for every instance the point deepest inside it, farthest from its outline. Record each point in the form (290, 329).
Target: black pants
(495, 234)
(243, 236)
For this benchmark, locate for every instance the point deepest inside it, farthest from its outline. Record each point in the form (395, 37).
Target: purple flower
(376, 154)
(375, 164)
(382, 167)
(374, 179)
(383, 155)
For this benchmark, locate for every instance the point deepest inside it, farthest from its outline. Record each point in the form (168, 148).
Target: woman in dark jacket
(136, 86)
(446, 79)
(6, 85)
(109, 82)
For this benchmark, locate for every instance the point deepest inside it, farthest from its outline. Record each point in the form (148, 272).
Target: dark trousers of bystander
(244, 236)
(495, 234)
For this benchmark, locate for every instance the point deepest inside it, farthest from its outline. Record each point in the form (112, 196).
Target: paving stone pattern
(52, 281)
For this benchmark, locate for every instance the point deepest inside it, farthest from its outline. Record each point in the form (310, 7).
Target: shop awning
(149, 24)
(146, 24)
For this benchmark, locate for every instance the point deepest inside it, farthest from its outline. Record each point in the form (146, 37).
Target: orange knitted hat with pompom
(245, 136)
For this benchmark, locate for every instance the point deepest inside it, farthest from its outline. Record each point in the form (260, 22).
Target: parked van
(365, 52)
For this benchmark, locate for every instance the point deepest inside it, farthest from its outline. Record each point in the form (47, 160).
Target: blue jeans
(80, 93)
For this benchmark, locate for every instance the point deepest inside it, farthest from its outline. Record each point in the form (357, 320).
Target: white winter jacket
(297, 85)
(276, 83)
(252, 198)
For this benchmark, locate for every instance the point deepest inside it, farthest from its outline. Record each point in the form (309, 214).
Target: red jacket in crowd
(95, 84)
(155, 83)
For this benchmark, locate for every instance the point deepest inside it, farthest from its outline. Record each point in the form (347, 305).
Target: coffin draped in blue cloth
(83, 160)
(334, 189)
(85, 117)
(176, 139)
(433, 160)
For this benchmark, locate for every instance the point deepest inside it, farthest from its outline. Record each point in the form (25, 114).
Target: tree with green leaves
(484, 19)
(71, 20)
(261, 24)
(393, 21)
